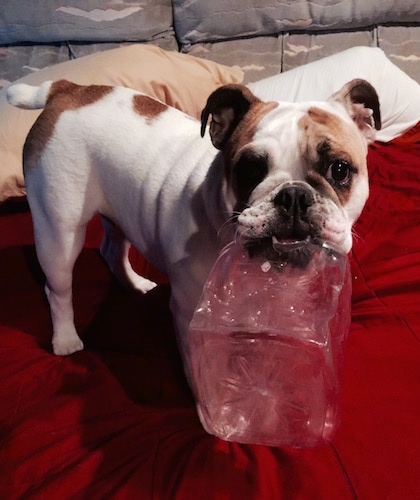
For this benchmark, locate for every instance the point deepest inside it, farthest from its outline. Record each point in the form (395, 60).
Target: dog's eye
(339, 173)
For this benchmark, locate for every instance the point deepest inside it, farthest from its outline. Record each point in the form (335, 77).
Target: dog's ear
(227, 106)
(362, 103)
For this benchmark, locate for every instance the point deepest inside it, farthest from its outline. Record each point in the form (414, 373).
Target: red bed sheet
(118, 420)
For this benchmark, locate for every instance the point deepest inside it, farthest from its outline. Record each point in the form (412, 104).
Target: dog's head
(295, 171)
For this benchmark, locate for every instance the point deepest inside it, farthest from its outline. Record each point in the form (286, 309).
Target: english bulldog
(179, 190)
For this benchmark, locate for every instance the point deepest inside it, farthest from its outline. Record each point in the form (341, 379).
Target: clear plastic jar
(266, 346)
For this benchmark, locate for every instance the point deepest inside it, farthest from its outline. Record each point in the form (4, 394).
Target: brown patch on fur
(247, 127)
(148, 107)
(344, 142)
(63, 96)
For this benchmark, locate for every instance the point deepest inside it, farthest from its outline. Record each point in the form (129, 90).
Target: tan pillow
(180, 80)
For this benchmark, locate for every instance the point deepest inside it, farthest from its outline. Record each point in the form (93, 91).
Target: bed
(118, 419)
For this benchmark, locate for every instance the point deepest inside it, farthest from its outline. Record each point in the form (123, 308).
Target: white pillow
(399, 95)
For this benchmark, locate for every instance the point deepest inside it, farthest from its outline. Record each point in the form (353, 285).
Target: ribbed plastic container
(266, 346)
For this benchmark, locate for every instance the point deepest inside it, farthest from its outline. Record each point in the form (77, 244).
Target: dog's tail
(27, 97)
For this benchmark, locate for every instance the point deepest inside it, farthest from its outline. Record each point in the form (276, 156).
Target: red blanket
(118, 420)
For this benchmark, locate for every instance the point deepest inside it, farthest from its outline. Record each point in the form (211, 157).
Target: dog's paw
(139, 283)
(144, 285)
(65, 346)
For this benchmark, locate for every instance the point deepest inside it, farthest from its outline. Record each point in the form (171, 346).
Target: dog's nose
(294, 200)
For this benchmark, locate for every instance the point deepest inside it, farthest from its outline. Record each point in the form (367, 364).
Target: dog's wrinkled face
(296, 172)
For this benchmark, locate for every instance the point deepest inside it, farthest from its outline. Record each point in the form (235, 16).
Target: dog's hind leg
(57, 251)
(114, 249)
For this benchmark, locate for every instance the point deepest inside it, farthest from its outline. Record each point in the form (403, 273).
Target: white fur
(28, 97)
(159, 181)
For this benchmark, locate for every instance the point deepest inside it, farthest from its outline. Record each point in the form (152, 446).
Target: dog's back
(101, 149)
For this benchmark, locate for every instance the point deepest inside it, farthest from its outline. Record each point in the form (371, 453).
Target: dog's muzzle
(291, 229)
(293, 202)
